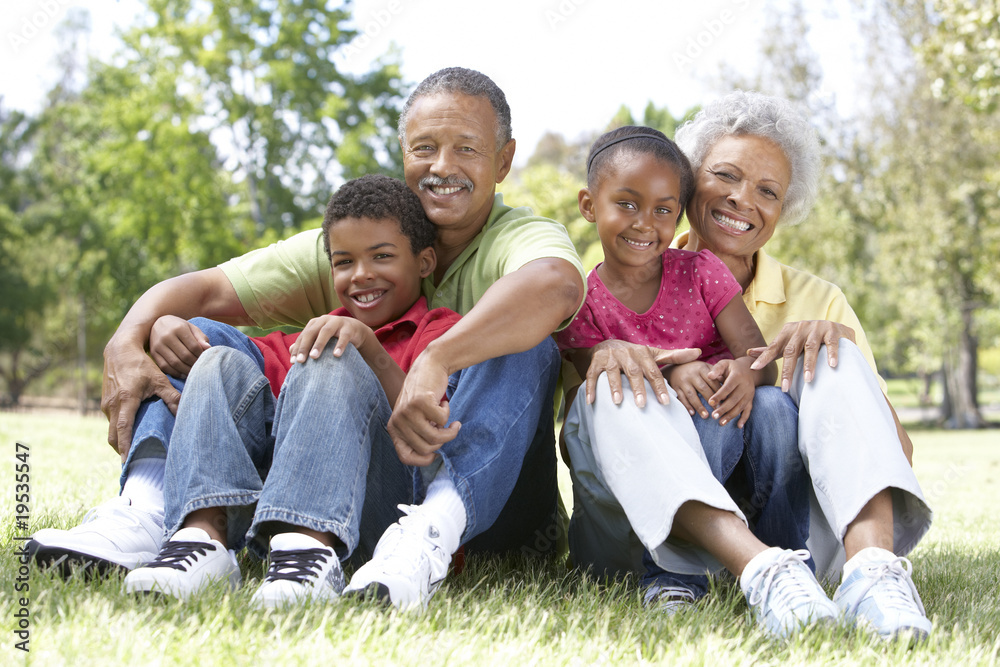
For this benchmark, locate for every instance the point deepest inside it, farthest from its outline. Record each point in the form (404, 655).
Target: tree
(268, 89)
(962, 50)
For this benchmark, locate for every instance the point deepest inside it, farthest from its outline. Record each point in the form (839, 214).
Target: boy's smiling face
(376, 274)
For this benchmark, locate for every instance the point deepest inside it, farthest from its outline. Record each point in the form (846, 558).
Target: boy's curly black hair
(377, 197)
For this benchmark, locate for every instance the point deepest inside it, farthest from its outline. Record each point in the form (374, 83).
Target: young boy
(277, 441)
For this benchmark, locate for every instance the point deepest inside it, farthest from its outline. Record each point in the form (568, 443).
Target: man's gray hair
(749, 113)
(465, 81)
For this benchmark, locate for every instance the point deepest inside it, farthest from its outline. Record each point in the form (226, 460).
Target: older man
(515, 278)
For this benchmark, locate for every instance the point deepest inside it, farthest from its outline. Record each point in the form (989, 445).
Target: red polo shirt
(403, 339)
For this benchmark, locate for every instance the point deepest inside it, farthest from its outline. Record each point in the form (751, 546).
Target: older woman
(756, 164)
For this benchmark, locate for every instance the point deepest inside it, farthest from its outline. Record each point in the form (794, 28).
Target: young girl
(648, 477)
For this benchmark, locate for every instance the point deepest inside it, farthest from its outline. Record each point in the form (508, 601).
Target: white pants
(850, 446)
(633, 468)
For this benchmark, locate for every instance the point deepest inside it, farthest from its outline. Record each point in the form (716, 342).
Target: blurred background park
(143, 139)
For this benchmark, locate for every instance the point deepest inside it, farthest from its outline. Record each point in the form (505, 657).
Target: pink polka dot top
(694, 288)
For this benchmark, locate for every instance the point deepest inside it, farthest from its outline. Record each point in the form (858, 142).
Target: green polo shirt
(290, 282)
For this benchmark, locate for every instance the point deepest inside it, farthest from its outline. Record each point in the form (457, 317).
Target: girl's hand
(637, 362)
(691, 381)
(175, 344)
(318, 332)
(802, 339)
(735, 397)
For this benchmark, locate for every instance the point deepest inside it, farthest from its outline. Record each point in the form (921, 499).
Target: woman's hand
(691, 381)
(735, 397)
(175, 344)
(318, 332)
(637, 362)
(802, 339)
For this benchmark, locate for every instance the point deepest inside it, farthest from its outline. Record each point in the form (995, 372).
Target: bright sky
(565, 65)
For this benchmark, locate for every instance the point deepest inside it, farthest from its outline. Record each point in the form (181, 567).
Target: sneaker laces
(795, 589)
(297, 565)
(178, 555)
(898, 589)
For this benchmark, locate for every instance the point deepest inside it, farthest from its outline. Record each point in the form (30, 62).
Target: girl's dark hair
(632, 139)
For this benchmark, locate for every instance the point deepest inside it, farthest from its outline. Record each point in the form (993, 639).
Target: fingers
(175, 345)
(413, 454)
(676, 357)
(127, 406)
(765, 355)
(689, 399)
(832, 349)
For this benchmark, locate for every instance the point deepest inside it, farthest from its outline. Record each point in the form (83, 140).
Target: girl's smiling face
(635, 204)
(376, 274)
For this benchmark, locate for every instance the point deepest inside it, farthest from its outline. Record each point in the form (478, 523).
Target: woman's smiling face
(738, 195)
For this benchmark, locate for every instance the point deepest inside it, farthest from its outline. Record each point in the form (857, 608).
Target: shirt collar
(410, 319)
(767, 284)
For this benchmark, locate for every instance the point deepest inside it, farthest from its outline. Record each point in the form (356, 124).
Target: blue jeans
(307, 459)
(503, 460)
(154, 422)
(762, 470)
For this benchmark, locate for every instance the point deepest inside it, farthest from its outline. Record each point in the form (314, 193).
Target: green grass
(510, 612)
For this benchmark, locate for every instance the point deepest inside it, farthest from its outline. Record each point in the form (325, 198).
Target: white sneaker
(879, 594)
(409, 563)
(301, 568)
(112, 535)
(189, 562)
(783, 592)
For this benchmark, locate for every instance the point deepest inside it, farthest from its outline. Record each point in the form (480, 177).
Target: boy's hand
(735, 397)
(175, 344)
(691, 381)
(318, 332)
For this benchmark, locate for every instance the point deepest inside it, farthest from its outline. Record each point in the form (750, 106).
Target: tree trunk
(960, 408)
(81, 355)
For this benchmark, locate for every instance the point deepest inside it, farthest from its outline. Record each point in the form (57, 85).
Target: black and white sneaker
(301, 568)
(189, 562)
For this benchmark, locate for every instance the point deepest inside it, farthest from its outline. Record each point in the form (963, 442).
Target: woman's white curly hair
(743, 113)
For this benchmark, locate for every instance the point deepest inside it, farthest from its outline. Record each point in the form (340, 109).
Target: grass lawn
(513, 612)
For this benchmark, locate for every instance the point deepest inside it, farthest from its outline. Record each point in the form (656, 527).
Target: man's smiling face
(451, 159)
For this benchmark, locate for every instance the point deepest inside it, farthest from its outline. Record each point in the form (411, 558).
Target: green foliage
(217, 127)
(963, 50)
(266, 81)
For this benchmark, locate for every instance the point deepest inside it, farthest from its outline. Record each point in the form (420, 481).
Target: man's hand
(802, 339)
(637, 362)
(130, 377)
(415, 424)
(318, 332)
(175, 344)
